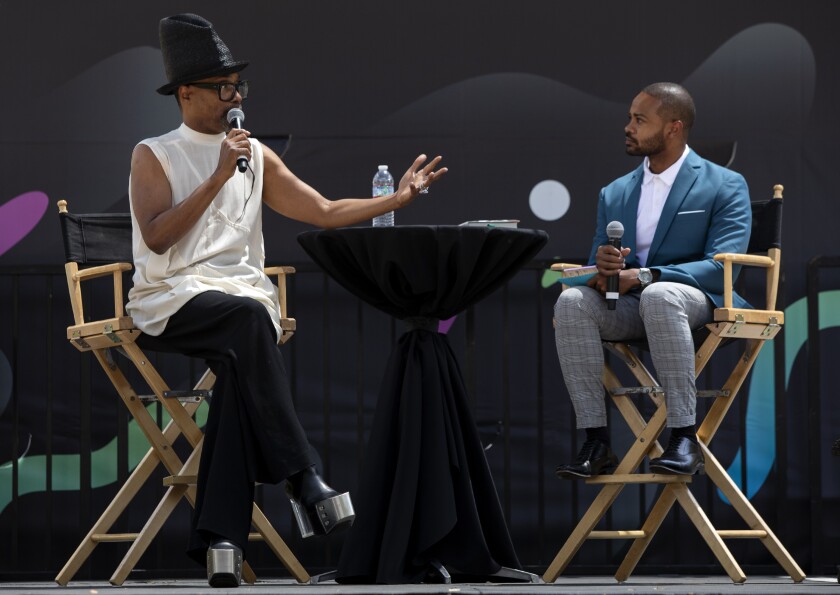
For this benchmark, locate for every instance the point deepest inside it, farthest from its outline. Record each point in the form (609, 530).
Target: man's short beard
(651, 147)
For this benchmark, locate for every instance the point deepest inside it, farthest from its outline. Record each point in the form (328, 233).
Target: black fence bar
(814, 391)
(14, 324)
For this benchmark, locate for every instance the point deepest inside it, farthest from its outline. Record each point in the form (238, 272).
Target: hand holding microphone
(236, 117)
(615, 230)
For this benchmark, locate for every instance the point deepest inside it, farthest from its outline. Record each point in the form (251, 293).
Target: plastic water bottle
(383, 185)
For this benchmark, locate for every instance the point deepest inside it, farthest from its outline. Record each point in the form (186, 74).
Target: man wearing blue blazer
(678, 210)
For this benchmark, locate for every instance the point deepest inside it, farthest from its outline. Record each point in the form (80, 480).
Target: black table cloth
(426, 496)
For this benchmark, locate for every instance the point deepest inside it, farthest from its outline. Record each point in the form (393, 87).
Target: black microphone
(236, 117)
(614, 232)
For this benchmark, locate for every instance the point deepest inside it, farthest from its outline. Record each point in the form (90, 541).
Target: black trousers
(253, 432)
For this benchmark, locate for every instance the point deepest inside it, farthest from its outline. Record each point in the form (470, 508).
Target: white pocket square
(691, 212)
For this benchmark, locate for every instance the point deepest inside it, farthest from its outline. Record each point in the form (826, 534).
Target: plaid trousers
(665, 313)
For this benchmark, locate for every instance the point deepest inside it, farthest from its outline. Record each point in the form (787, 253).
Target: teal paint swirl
(32, 471)
(760, 442)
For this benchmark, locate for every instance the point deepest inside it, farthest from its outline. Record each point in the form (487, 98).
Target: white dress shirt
(655, 190)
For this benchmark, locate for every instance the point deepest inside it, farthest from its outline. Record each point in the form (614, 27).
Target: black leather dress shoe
(595, 458)
(224, 564)
(682, 457)
(318, 508)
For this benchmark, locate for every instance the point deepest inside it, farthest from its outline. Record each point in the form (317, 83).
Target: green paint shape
(32, 471)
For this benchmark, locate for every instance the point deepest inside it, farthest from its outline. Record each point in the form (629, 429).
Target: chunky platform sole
(224, 566)
(325, 516)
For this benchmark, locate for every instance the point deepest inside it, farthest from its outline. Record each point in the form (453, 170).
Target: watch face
(645, 276)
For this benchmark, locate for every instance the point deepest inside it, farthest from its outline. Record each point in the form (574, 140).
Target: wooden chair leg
(710, 535)
(745, 509)
(164, 509)
(150, 529)
(649, 528)
(161, 451)
(101, 527)
(278, 546)
(162, 442)
(646, 440)
(158, 517)
(183, 486)
(593, 515)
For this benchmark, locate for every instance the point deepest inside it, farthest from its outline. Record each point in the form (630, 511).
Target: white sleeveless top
(224, 250)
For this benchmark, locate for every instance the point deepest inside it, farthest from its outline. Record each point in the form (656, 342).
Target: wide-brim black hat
(192, 50)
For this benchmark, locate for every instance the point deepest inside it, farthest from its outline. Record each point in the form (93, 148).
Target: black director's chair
(99, 245)
(751, 329)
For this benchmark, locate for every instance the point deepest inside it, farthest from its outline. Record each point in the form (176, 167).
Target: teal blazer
(707, 212)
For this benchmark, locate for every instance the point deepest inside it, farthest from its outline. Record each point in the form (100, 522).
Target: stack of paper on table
(491, 223)
(574, 274)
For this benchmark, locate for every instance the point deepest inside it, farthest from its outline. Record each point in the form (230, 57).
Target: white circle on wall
(549, 200)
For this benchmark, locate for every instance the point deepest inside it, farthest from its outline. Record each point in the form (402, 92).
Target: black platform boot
(318, 508)
(224, 564)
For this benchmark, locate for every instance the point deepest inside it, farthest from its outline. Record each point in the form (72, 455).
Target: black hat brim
(170, 88)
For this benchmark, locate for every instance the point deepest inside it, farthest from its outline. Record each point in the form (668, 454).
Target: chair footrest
(183, 396)
(113, 537)
(713, 394)
(616, 534)
(639, 478)
(742, 533)
(192, 396)
(637, 390)
(255, 537)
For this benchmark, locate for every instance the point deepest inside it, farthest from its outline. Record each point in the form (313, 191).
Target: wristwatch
(645, 277)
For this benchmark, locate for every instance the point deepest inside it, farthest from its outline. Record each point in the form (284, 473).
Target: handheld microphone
(614, 232)
(236, 117)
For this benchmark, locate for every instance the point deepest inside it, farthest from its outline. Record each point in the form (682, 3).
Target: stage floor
(636, 585)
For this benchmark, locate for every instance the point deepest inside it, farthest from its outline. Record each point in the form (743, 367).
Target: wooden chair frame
(756, 327)
(101, 337)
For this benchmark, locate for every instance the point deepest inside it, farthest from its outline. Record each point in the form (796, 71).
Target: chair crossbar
(615, 534)
(113, 537)
(742, 533)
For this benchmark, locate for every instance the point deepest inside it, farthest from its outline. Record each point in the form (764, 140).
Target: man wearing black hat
(199, 288)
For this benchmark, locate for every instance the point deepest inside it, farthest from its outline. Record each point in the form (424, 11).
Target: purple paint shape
(445, 325)
(19, 216)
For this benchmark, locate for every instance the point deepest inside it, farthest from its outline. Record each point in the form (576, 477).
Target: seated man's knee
(660, 298)
(573, 303)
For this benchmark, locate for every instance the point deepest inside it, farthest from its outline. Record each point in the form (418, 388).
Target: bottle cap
(383, 167)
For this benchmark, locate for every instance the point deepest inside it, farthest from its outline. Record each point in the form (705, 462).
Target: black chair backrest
(766, 226)
(97, 238)
(716, 151)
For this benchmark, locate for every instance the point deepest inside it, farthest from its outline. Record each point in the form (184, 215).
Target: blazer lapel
(632, 193)
(682, 185)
